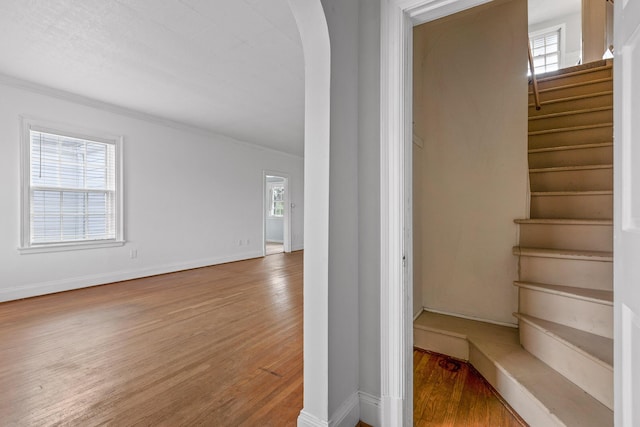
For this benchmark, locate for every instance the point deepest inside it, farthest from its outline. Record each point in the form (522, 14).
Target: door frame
(286, 235)
(398, 17)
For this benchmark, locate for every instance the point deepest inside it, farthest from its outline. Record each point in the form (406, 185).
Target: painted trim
(396, 324)
(287, 234)
(462, 316)
(370, 409)
(347, 414)
(18, 83)
(305, 419)
(43, 288)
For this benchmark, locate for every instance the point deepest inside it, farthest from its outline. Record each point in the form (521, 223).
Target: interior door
(627, 211)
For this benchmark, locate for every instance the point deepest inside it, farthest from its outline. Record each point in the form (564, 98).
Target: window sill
(60, 247)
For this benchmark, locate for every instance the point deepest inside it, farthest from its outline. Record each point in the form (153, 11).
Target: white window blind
(546, 51)
(71, 193)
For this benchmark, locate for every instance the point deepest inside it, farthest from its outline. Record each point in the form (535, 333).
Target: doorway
(276, 214)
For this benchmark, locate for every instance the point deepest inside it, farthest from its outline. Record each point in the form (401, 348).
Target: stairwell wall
(470, 176)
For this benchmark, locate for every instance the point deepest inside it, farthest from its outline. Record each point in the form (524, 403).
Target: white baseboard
(370, 409)
(307, 420)
(348, 414)
(43, 288)
(479, 319)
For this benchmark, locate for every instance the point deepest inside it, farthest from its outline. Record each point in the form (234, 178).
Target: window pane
(74, 182)
(553, 48)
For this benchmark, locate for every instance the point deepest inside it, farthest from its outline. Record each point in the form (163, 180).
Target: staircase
(565, 254)
(556, 369)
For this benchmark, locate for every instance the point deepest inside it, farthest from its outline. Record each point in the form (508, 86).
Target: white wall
(190, 198)
(369, 206)
(572, 36)
(470, 109)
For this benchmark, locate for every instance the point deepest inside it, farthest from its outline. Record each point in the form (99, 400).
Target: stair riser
(569, 272)
(573, 180)
(572, 207)
(572, 105)
(573, 137)
(577, 157)
(566, 92)
(587, 316)
(561, 236)
(577, 119)
(587, 374)
(598, 74)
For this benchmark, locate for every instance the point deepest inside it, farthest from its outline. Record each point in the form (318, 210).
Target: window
(546, 51)
(276, 199)
(71, 190)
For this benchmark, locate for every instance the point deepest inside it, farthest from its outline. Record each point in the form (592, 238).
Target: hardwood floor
(448, 392)
(215, 346)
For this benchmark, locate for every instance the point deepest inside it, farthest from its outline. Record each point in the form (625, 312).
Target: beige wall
(470, 178)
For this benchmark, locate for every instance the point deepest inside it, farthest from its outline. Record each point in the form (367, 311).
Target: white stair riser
(577, 157)
(572, 180)
(587, 374)
(577, 119)
(598, 206)
(580, 314)
(574, 137)
(566, 92)
(518, 397)
(595, 101)
(595, 74)
(567, 236)
(442, 343)
(569, 272)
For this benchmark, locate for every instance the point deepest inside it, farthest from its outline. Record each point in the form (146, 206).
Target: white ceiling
(544, 10)
(229, 66)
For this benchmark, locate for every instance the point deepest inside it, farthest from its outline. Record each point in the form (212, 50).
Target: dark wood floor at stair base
(449, 392)
(216, 346)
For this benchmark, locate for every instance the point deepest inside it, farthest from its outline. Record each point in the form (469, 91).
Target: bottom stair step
(585, 359)
(540, 395)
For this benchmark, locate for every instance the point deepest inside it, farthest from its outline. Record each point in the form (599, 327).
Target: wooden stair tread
(570, 147)
(598, 296)
(573, 98)
(564, 221)
(570, 113)
(570, 129)
(573, 193)
(572, 85)
(570, 168)
(597, 348)
(589, 67)
(603, 256)
(562, 399)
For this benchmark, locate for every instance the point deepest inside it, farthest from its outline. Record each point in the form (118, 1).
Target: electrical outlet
(240, 242)
(133, 253)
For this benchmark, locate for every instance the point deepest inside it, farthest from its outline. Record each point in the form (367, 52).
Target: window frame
(271, 201)
(561, 30)
(29, 124)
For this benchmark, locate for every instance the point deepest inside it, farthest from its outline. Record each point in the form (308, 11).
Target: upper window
(546, 51)
(71, 190)
(276, 199)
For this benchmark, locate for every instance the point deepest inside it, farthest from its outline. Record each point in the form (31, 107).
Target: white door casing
(286, 238)
(398, 17)
(627, 213)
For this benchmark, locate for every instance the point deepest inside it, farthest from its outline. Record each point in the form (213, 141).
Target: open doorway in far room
(276, 214)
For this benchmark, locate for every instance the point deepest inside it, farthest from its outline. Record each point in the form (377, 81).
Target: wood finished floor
(448, 392)
(215, 346)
